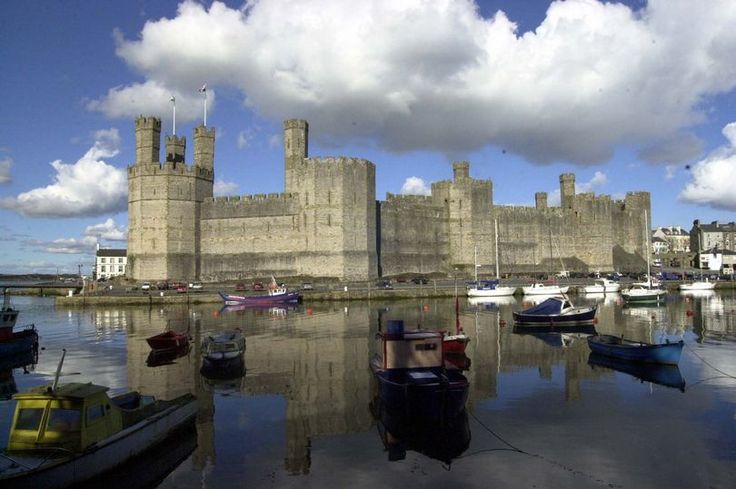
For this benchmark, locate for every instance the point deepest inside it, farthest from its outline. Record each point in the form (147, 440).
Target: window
(94, 413)
(120, 260)
(64, 420)
(102, 260)
(425, 346)
(102, 268)
(29, 419)
(120, 269)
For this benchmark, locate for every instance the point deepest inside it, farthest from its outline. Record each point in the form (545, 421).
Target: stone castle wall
(329, 224)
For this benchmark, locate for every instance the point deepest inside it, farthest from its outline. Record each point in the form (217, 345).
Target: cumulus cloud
(89, 187)
(221, 188)
(69, 246)
(597, 180)
(675, 149)
(415, 186)
(5, 165)
(438, 76)
(107, 230)
(714, 177)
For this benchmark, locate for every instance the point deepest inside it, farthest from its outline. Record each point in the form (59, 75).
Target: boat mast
(646, 238)
(495, 234)
(475, 262)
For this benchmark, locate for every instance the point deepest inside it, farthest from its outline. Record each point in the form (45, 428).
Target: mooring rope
(725, 374)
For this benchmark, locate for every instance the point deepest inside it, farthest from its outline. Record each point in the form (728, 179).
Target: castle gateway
(328, 223)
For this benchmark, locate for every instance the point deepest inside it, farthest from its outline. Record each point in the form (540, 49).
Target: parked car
(257, 286)
(307, 286)
(240, 287)
(195, 286)
(384, 284)
(419, 280)
(181, 289)
(162, 285)
(146, 286)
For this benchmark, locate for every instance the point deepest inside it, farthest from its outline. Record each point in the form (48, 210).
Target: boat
(666, 375)
(537, 329)
(64, 434)
(278, 295)
(539, 288)
(166, 356)
(602, 286)
(223, 349)
(556, 311)
(443, 438)
(411, 373)
(649, 291)
(25, 360)
(455, 342)
(490, 288)
(11, 341)
(698, 285)
(615, 346)
(168, 340)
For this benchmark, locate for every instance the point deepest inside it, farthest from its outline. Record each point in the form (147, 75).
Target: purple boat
(278, 295)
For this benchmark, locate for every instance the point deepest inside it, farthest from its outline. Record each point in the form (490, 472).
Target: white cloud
(436, 75)
(275, 141)
(670, 172)
(5, 165)
(89, 187)
(415, 186)
(107, 230)
(221, 188)
(714, 177)
(244, 138)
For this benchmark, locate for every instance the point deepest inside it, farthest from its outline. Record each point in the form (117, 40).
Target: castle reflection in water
(316, 357)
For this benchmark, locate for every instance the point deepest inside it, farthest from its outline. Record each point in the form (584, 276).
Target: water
(538, 414)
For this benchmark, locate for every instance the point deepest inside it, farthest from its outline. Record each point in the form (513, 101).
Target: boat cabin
(72, 417)
(411, 349)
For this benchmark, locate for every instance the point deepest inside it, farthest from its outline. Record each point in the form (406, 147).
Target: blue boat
(666, 375)
(638, 351)
(412, 376)
(556, 311)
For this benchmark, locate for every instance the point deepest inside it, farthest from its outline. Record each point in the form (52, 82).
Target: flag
(204, 88)
(172, 99)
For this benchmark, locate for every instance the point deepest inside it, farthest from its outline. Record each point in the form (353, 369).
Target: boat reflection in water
(25, 359)
(666, 375)
(442, 437)
(584, 329)
(166, 356)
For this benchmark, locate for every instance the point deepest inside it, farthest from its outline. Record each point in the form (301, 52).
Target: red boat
(168, 340)
(455, 343)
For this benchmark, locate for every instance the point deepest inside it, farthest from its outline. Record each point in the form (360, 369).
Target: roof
(716, 226)
(74, 390)
(112, 252)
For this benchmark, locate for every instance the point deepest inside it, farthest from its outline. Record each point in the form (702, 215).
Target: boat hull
(698, 286)
(169, 340)
(644, 298)
(634, 351)
(260, 300)
(495, 292)
(19, 342)
(106, 455)
(427, 393)
(584, 317)
(539, 289)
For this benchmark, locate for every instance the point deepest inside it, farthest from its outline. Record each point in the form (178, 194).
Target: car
(307, 286)
(145, 286)
(182, 289)
(257, 286)
(240, 287)
(195, 286)
(164, 285)
(384, 284)
(419, 280)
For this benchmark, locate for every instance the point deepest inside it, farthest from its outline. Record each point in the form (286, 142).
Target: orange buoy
(502, 322)
(689, 312)
(425, 307)
(309, 311)
(595, 320)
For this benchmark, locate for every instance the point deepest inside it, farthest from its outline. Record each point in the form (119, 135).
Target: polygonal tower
(296, 140)
(567, 190)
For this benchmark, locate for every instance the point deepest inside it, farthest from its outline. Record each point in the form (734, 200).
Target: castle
(328, 223)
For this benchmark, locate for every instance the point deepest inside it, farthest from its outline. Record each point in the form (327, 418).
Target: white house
(110, 262)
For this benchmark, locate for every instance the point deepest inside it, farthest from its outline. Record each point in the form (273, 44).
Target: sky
(630, 96)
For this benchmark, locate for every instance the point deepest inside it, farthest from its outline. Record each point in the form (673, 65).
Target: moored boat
(698, 285)
(168, 340)
(222, 349)
(602, 286)
(459, 341)
(642, 295)
(556, 311)
(539, 288)
(490, 288)
(274, 296)
(615, 346)
(65, 434)
(11, 341)
(411, 373)
(666, 375)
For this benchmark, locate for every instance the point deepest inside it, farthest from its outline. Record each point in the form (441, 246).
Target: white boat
(490, 288)
(698, 285)
(602, 286)
(539, 288)
(645, 292)
(63, 435)
(223, 347)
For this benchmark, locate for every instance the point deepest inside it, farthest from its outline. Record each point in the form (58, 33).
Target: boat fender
(502, 322)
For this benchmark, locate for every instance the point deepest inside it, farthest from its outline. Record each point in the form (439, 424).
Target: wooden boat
(602, 286)
(168, 340)
(275, 296)
(615, 346)
(455, 342)
(223, 348)
(556, 311)
(411, 373)
(63, 435)
(666, 375)
(12, 342)
(166, 356)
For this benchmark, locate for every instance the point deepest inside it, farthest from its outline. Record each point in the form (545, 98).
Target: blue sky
(629, 96)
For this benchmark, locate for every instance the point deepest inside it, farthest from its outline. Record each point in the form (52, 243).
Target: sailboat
(644, 293)
(697, 285)
(538, 288)
(490, 288)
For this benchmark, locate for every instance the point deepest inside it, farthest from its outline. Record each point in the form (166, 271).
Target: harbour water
(541, 412)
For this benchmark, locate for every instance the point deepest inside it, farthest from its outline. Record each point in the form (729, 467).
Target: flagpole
(204, 92)
(173, 102)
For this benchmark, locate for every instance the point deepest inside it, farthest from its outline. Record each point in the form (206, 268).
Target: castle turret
(461, 170)
(567, 190)
(147, 140)
(541, 200)
(204, 147)
(296, 141)
(175, 149)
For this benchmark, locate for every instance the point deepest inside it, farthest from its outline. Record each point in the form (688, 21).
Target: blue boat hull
(666, 375)
(21, 341)
(612, 346)
(586, 317)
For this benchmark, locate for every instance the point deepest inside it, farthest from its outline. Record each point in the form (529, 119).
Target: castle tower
(567, 190)
(175, 149)
(541, 200)
(204, 147)
(461, 170)
(296, 138)
(147, 139)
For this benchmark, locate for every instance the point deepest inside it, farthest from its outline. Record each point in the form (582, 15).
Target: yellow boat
(62, 435)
